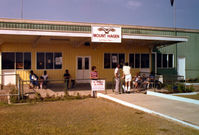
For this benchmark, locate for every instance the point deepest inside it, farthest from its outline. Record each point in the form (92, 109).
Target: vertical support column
(1, 77)
(156, 68)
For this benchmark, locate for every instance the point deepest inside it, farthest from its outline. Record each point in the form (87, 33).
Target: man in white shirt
(117, 79)
(127, 76)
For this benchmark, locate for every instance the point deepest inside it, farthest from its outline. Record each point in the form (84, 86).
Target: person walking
(117, 79)
(127, 77)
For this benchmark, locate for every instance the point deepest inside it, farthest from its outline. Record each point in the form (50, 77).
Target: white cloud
(134, 4)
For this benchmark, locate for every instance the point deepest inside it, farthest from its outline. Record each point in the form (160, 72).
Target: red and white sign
(97, 85)
(106, 34)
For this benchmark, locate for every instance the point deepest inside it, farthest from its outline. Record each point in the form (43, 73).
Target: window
(86, 63)
(131, 60)
(57, 60)
(170, 60)
(79, 63)
(40, 60)
(144, 60)
(159, 60)
(114, 59)
(49, 60)
(27, 60)
(16, 60)
(137, 60)
(111, 60)
(121, 59)
(8, 60)
(107, 60)
(19, 61)
(165, 60)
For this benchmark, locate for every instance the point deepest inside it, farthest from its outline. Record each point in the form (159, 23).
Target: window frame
(118, 53)
(173, 62)
(45, 61)
(15, 66)
(140, 58)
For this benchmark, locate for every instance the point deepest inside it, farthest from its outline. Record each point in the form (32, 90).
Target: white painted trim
(171, 97)
(190, 93)
(145, 110)
(44, 33)
(179, 39)
(65, 34)
(194, 84)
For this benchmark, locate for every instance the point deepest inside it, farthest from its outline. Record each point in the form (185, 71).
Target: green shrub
(181, 88)
(169, 88)
(14, 98)
(190, 88)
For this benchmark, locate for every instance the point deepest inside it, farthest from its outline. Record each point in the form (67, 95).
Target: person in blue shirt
(33, 79)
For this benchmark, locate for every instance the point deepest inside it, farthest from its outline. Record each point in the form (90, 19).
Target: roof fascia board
(67, 34)
(160, 38)
(42, 33)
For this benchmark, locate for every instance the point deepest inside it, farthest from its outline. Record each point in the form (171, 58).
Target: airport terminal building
(56, 46)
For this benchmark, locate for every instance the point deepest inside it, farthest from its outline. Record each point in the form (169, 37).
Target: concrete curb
(190, 93)
(100, 95)
(171, 97)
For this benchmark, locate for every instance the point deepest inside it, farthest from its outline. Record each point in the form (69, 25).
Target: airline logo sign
(106, 34)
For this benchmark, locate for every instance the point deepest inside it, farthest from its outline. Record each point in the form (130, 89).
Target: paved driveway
(180, 110)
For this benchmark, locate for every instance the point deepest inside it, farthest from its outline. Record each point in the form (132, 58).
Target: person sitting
(151, 80)
(67, 77)
(144, 82)
(136, 80)
(33, 79)
(44, 80)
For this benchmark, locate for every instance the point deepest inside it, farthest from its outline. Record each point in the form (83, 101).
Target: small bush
(181, 88)
(190, 88)
(14, 98)
(169, 88)
(38, 97)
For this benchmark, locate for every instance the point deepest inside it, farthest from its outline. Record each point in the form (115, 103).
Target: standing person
(93, 76)
(33, 79)
(67, 77)
(117, 79)
(127, 76)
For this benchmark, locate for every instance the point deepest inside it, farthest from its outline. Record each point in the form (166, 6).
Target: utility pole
(173, 4)
(175, 31)
(21, 9)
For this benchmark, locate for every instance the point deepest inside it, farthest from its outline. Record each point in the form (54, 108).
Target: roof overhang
(146, 39)
(157, 40)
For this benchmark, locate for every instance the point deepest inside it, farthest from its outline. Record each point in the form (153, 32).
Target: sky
(157, 13)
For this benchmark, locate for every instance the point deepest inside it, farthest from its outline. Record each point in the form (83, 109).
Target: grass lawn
(191, 96)
(88, 116)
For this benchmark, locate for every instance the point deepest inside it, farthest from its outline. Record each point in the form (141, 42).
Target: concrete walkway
(186, 112)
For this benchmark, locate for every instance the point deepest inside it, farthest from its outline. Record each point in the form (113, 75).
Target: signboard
(106, 34)
(58, 61)
(97, 85)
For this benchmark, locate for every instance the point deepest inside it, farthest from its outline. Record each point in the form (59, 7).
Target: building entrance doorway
(83, 68)
(181, 67)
